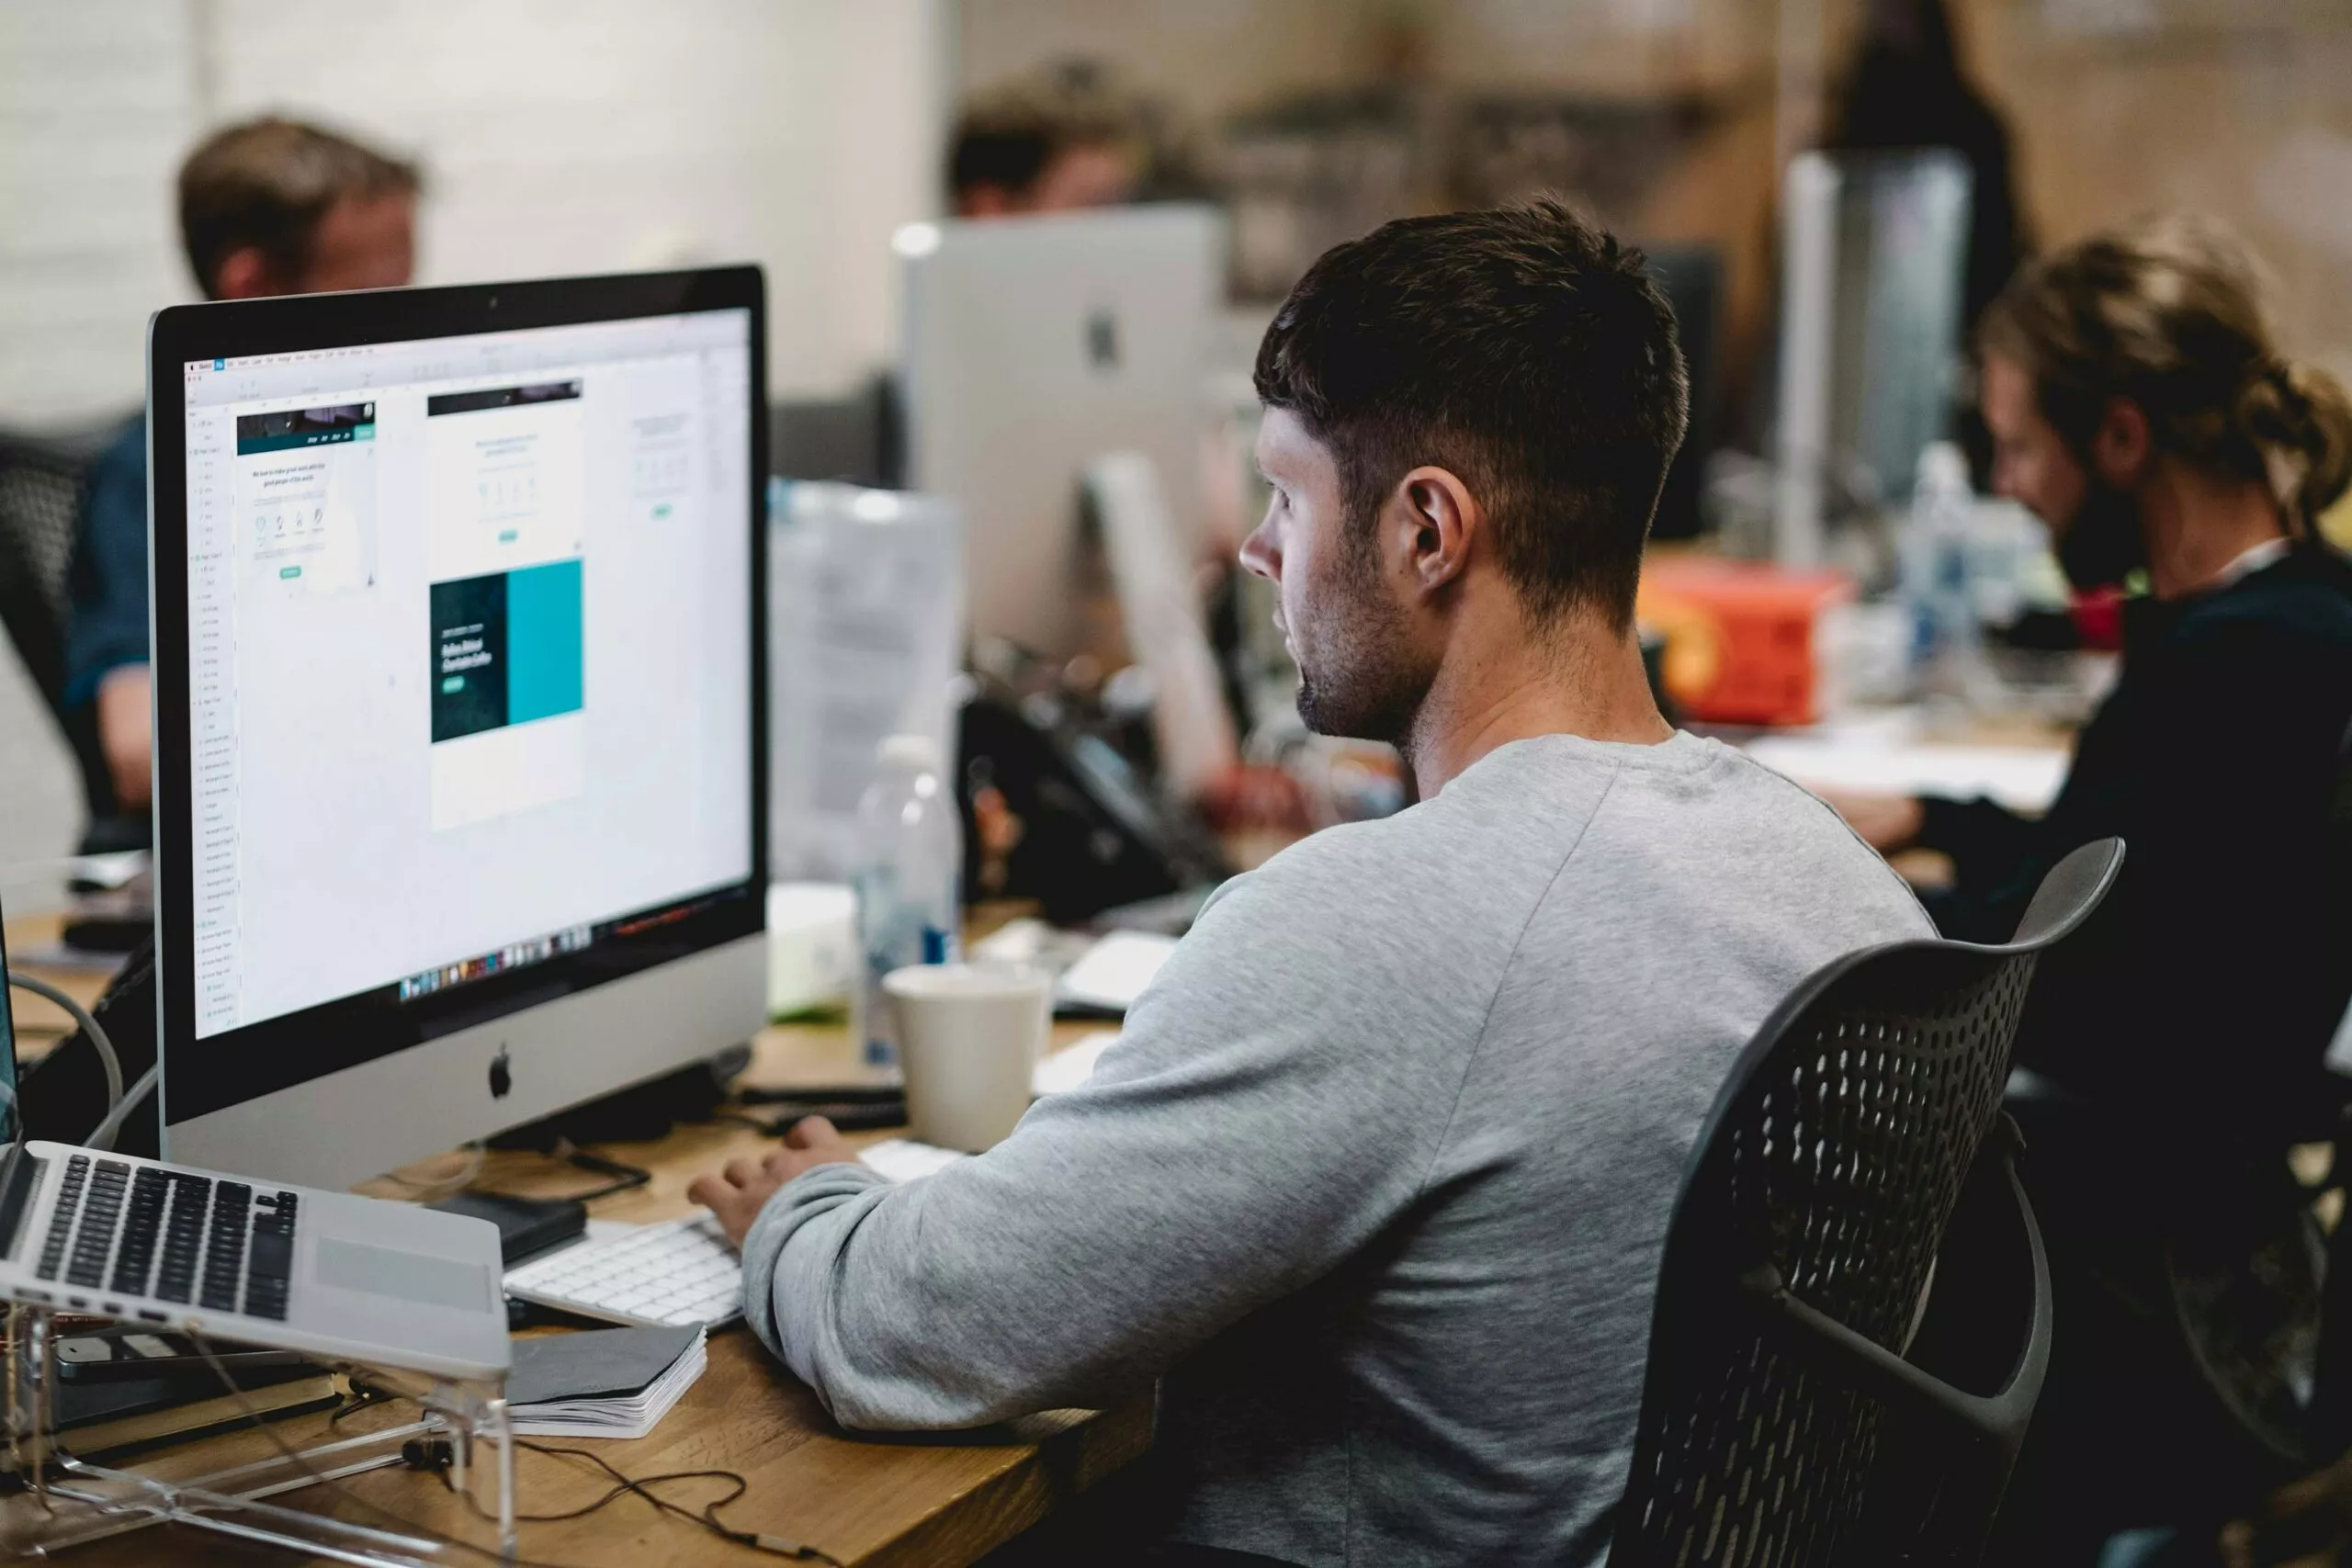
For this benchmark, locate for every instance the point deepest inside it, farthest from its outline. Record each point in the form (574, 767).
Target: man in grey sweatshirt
(1378, 1177)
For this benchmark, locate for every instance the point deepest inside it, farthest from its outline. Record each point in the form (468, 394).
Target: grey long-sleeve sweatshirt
(1378, 1174)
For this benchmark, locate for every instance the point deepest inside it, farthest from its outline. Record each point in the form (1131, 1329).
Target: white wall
(97, 105)
(558, 136)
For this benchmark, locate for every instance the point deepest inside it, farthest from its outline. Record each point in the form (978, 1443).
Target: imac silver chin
(341, 1129)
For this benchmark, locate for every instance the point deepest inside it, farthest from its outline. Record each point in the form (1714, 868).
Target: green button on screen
(289, 572)
(454, 683)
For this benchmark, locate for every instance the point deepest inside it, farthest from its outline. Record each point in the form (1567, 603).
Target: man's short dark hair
(1523, 349)
(1009, 138)
(1010, 155)
(267, 182)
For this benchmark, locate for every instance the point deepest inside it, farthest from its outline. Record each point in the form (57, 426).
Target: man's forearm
(808, 1198)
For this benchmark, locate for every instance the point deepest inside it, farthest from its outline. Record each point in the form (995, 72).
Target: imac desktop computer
(1034, 348)
(459, 703)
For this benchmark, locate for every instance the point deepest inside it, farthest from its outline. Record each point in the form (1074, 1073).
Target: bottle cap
(1942, 465)
(914, 753)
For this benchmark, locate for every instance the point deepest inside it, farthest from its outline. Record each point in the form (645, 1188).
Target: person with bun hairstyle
(2141, 405)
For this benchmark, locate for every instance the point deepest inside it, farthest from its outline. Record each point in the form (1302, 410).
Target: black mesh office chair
(1810, 1401)
(44, 484)
(2314, 1430)
(2332, 1398)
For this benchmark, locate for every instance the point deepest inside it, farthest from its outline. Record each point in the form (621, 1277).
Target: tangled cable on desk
(437, 1455)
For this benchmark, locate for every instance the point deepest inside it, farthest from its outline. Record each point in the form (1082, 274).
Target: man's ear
(1436, 524)
(245, 274)
(2123, 444)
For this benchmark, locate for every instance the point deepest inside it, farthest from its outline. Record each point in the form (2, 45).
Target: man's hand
(738, 1193)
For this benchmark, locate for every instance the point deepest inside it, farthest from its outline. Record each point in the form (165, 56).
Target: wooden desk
(893, 1502)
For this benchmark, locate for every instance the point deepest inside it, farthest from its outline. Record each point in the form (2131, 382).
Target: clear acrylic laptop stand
(64, 1501)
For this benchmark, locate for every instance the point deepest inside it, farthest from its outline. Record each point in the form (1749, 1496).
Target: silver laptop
(327, 1274)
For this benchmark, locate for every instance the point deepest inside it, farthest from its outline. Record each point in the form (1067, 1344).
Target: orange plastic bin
(1741, 638)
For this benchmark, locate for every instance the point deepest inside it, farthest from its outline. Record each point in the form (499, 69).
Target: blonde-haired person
(2140, 404)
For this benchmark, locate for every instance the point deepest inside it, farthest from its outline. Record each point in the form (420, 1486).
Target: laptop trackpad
(410, 1276)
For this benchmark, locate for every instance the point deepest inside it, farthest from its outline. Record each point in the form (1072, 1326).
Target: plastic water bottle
(1947, 638)
(910, 859)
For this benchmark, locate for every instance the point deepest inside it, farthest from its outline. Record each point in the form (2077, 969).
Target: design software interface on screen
(468, 652)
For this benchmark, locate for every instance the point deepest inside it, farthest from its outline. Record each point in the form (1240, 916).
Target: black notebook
(606, 1382)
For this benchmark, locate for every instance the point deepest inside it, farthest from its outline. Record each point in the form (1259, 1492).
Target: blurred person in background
(2141, 407)
(1068, 139)
(1059, 143)
(1904, 88)
(268, 206)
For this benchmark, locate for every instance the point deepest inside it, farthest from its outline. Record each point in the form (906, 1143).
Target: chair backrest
(2335, 847)
(43, 484)
(1802, 1249)
(44, 487)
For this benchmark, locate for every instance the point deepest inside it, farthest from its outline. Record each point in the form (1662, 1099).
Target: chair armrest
(2000, 1417)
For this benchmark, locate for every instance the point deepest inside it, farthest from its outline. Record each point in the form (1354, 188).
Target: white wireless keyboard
(680, 1271)
(677, 1272)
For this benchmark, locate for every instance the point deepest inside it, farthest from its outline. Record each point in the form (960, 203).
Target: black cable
(364, 1397)
(853, 1116)
(707, 1519)
(335, 1483)
(709, 1516)
(822, 1094)
(625, 1178)
(622, 1487)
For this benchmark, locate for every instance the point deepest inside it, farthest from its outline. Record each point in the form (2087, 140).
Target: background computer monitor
(460, 684)
(1692, 277)
(1874, 254)
(8, 1121)
(1035, 345)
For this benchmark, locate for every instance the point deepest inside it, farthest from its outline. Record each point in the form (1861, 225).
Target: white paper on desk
(1072, 1065)
(903, 1160)
(1115, 971)
(2023, 778)
(865, 616)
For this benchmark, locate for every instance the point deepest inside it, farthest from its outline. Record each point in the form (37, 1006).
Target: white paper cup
(968, 1043)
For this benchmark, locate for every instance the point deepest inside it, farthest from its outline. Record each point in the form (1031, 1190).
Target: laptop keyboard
(144, 1231)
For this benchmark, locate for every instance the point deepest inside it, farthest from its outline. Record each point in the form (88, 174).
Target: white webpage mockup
(468, 660)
